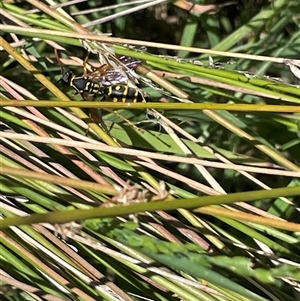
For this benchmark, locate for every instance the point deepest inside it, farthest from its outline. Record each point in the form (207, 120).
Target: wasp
(119, 92)
(107, 82)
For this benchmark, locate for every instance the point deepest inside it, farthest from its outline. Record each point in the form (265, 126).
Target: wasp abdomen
(124, 93)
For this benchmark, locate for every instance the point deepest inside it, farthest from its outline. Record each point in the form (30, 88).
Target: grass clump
(191, 196)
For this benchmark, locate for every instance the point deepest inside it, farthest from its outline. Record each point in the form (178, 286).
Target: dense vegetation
(193, 195)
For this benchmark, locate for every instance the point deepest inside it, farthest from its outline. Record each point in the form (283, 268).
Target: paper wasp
(106, 82)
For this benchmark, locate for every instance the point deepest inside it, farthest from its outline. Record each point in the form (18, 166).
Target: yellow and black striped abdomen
(124, 93)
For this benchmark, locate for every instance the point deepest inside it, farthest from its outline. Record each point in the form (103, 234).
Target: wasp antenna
(85, 63)
(59, 61)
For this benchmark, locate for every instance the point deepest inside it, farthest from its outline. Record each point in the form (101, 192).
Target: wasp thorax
(81, 84)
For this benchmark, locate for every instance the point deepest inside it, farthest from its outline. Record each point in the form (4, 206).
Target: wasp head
(67, 77)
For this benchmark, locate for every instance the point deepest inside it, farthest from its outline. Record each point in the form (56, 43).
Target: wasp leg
(94, 113)
(85, 63)
(96, 116)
